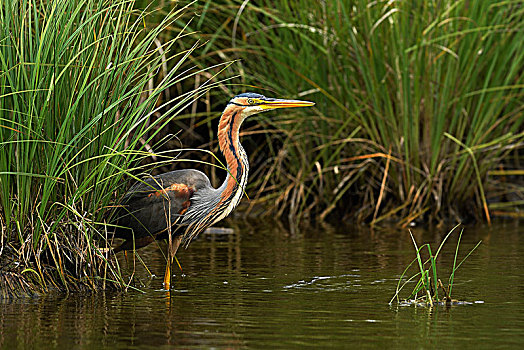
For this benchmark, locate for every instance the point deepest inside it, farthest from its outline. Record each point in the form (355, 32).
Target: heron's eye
(250, 101)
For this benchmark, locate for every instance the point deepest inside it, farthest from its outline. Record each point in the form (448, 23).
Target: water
(263, 287)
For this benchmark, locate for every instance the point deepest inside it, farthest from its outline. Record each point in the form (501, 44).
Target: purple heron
(180, 204)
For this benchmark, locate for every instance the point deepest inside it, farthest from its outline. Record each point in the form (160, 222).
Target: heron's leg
(171, 251)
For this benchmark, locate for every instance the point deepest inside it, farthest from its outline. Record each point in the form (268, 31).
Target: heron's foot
(167, 276)
(171, 251)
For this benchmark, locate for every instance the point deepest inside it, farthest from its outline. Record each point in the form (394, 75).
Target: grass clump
(82, 87)
(428, 283)
(419, 104)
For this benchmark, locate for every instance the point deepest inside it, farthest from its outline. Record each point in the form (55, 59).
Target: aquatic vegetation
(428, 283)
(84, 89)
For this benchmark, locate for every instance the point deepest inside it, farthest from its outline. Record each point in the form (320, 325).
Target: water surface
(263, 287)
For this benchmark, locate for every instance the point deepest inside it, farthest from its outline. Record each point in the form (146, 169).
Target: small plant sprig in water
(426, 290)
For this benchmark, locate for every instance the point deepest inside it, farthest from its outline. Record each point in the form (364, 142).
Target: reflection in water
(263, 286)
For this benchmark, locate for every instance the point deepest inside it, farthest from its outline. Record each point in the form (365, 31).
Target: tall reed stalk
(79, 84)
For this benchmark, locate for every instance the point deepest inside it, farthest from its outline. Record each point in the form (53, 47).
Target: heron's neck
(209, 208)
(236, 158)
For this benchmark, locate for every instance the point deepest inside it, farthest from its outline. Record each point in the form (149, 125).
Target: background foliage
(418, 103)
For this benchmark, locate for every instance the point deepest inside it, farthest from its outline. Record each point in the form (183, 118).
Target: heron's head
(250, 103)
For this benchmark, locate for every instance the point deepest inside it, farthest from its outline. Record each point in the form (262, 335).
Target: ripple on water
(324, 283)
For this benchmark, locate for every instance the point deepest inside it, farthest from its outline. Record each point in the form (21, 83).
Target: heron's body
(150, 205)
(180, 204)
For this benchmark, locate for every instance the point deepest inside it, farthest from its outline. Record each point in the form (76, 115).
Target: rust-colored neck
(209, 208)
(236, 158)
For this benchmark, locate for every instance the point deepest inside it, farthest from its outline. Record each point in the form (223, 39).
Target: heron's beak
(278, 103)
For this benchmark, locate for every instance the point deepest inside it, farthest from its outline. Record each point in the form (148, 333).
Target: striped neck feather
(220, 202)
(236, 158)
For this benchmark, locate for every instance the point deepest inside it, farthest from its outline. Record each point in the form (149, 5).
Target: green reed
(417, 102)
(426, 289)
(82, 95)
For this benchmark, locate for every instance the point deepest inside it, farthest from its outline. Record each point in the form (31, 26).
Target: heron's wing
(156, 204)
(168, 181)
(150, 212)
